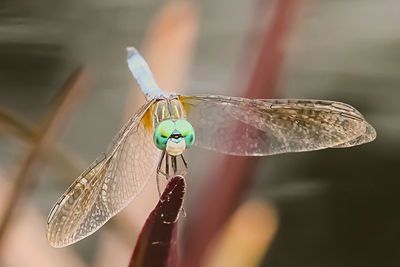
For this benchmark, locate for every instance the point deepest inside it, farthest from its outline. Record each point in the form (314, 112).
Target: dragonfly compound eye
(162, 133)
(174, 131)
(186, 130)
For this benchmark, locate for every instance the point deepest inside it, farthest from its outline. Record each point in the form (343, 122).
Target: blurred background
(65, 90)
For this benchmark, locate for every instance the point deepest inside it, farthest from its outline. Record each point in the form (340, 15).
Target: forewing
(108, 185)
(252, 127)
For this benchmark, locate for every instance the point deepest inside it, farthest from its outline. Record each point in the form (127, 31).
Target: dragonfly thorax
(168, 108)
(174, 136)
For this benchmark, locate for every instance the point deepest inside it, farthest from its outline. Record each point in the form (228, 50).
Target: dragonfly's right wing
(256, 127)
(108, 185)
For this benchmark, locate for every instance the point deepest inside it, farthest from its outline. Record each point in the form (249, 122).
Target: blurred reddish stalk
(156, 245)
(232, 180)
(76, 87)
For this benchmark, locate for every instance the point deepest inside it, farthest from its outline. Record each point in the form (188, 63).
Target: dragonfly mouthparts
(176, 136)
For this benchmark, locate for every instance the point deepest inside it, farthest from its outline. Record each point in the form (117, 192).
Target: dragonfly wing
(368, 136)
(108, 185)
(257, 127)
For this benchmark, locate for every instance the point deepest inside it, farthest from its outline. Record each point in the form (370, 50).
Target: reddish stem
(156, 245)
(233, 179)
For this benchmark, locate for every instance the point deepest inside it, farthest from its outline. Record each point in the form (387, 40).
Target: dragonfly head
(174, 136)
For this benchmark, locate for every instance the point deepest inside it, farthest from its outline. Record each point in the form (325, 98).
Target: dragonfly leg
(174, 164)
(184, 161)
(167, 166)
(183, 212)
(158, 173)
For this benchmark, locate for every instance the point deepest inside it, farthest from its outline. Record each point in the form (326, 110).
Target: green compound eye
(162, 132)
(187, 131)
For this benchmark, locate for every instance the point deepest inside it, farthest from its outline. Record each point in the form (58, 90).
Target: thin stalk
(229, 184)
(70, 95)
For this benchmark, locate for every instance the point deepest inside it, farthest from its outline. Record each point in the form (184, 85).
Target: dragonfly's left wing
(256, 127)
(108, 185)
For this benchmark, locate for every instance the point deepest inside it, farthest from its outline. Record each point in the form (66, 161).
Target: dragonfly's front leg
(174, 164)
(183, 212)
(167, 167)
(184, 161)
(159, 171)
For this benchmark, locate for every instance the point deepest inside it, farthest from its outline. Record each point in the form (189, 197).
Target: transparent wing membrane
(252, 127)
(107, 186)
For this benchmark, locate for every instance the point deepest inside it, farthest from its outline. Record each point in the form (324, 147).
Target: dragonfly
(153, 141)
